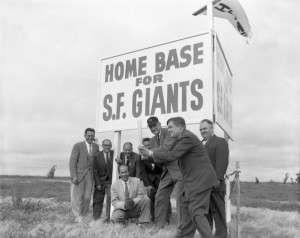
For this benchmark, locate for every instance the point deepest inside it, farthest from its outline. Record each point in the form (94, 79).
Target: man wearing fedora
(171, 175)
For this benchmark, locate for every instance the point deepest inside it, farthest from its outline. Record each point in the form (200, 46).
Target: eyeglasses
(106, 145)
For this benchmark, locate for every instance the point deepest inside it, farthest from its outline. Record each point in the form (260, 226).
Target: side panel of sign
(222, 90)
(172, 79)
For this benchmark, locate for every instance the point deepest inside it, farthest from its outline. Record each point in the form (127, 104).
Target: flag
(233, 12)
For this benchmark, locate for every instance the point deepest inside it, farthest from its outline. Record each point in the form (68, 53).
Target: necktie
(126, 191)
(126, 159)
(158, 140)
(106, 158)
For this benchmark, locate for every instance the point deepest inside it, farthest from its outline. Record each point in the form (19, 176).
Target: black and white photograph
(149, 119)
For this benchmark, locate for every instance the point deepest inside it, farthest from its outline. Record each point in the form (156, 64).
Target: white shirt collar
(88, 145)
(123, 183)
(204, 141)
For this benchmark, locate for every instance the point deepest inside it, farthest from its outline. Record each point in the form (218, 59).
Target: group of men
(174, 155)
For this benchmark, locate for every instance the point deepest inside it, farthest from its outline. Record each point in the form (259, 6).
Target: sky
(50, 70)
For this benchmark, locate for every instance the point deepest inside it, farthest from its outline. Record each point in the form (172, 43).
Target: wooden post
(117, 149)
(238, 192)
(227, 201)
(140, 131)
(227, 195)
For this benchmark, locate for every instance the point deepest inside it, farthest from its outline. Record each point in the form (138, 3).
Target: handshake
(129, 204)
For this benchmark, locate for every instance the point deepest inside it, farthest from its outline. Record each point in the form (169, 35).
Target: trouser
(217, 213)
(141, 210)
(162, 199)
(81, 195)
(152, 206)
(98, 200)
(195, 209)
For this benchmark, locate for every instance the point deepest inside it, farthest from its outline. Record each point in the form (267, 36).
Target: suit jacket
(102, 171)
(135, 188)
(133, 164)
(197, 171)
(150, 175)
(80, 159)
(166, 143)
(218, 152)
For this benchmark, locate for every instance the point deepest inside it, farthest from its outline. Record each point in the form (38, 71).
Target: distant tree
(50, 174)
(292, 180)
(286, 177)
(256, 180)
(298, 177)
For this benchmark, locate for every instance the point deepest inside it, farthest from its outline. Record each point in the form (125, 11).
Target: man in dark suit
(151, 174)
(81, 171)
(129, 198)
(218, 152)
(131, 159)
(171, 175)
(197, 173)
(102, 167)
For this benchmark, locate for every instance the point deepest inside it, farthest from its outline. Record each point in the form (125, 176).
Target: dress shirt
(204, 141)
(88, 146)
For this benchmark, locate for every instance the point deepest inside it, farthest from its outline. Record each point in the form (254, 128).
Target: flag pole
(210, 27)
(210, 16)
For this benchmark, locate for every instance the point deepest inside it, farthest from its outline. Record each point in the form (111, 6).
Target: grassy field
(39, 207)
(275, 196)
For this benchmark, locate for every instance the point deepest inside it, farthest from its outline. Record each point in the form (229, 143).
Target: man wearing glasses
(131, 159)
(102, 167)
(162, 141)
(81, 171)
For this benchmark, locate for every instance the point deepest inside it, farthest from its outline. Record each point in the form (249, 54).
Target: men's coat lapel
(162, 136)
(94, 149)
(111, 159)
(211, 139)
(85, 151)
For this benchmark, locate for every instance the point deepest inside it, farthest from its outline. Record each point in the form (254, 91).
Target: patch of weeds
(26, 205)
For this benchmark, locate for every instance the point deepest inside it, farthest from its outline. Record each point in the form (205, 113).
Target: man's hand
(144, 157)
(218, 185)
(143, 150)
(148, 189)
(75, 181)
(118, 160)
(98, 187)
(129, 204)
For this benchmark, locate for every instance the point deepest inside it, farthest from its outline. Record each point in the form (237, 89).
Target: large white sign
(167, 80)
(222, 90)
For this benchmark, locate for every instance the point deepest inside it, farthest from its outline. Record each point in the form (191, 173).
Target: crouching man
(129, 199)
